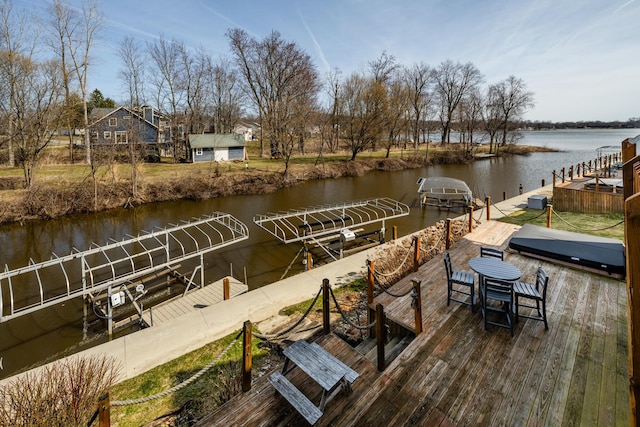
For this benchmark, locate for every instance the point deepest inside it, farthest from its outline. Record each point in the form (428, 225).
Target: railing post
(543, 182)
(563, 174)
(326, 326)
(370, 284)
(504, 195)
(416, 255)
(488, 203)
(549, 208)
(417, 309)
(571, 173)
(225, 288)
(246, 356)
(381, 336)
(554, 177)
(394, 232)
(447, 240)
(104, 411)
(470, 219)
(309, 261)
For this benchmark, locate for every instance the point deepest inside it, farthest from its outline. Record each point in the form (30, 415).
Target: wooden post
(488, 204)
(104, 411)
(246, 356)
(225, 288)
(571, 173)
(370, 284)
(549, 208)
(578, 170)
(543, 183)
(470, 219)
(381, 336)
(554, 177)
(416, 254)
(504, 195)
(417, 309)
(597, 182)
(447, 240)
(563, 174)
(309, 261)
(394, 232)
(326, 325)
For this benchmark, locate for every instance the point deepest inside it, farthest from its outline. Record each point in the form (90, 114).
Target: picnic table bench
(321, 366)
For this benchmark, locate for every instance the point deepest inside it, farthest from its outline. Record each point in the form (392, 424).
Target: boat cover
(591, 252)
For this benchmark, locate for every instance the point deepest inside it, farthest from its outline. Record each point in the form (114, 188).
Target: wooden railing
(631, 177)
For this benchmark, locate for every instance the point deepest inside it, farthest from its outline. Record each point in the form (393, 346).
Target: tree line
(270, 79)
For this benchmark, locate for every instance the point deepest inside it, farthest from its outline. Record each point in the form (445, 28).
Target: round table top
(494, 268)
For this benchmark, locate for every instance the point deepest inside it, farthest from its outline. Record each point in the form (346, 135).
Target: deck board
(456, 373)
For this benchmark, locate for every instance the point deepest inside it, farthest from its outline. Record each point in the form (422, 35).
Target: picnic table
(322, 367)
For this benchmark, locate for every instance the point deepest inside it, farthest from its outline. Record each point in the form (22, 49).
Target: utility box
(537, 202)
(347, 235)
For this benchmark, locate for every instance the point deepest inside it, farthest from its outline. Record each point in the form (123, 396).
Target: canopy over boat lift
(321, 223)
(444, 192)
(115, 266)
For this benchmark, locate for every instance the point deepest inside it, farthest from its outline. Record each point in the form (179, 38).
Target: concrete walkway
(148, 348)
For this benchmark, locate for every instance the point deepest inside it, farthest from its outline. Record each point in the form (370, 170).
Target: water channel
(261, 259)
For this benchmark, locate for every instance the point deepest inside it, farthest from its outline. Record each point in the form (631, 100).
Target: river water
(58, 331)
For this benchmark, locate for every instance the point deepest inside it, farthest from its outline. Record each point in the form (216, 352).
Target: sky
(580, 58)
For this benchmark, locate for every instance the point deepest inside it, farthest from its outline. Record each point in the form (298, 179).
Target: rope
(295, 325)
(291, 263)
(182, 384)
(586, 229)
(386, 290)
(344, 316)
(518, 219)
(406, 256)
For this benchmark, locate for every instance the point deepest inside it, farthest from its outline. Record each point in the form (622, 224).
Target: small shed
(217, 147)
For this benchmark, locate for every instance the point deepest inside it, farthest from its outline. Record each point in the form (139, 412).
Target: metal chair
(502, 292)
(537, 293)
(459, 282)
(487, 252)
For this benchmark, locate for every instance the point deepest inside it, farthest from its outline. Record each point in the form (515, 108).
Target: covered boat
(444, 192)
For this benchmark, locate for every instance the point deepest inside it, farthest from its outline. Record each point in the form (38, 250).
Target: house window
(198, 151)
(121, 137)
(107, 134)
(113, 121)
(94, 135)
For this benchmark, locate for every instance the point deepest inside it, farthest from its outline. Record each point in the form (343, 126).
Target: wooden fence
(631, 176)
(588, 201)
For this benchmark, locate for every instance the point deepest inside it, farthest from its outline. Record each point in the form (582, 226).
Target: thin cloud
(319, 51)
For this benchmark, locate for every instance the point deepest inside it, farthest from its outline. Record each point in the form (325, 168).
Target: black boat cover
(591, 252)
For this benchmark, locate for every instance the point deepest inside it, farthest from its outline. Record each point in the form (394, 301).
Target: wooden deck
(456, 373)
(194, 300)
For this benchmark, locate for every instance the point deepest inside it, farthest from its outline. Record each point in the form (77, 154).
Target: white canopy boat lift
(444, 192)
(321, 224)
(118, 268)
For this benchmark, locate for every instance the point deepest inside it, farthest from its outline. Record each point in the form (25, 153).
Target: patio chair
(500, 291)
(487, 252)
(459, 282)
(537, 293)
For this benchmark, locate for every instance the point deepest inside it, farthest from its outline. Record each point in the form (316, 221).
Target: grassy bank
(61, 188)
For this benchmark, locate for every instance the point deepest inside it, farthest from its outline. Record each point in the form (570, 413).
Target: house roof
(216, 140)
(98, 114)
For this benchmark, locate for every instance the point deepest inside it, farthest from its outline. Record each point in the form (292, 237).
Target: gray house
(217, 147)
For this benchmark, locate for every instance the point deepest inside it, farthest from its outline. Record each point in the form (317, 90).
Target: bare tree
(75, 35)
(470, 109)
(515, 100)
(167, 74)
(453, 82)
(396, 113)
(194, 85)
(418, 80)
(132, 73)
(361, 120)
(334, 92)
(37, 110)
(225, 97)
(492, 115)
(17, 41)
(279, 78)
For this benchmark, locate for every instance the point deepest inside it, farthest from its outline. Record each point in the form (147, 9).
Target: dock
(456, 373)
(195, 300)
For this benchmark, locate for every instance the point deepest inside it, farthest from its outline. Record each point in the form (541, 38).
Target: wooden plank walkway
(456, 373)
(195, 300)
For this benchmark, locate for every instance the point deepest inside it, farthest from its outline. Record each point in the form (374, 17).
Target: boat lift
(316, 224)
(115, 266)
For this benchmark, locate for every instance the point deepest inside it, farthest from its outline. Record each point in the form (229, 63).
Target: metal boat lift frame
(309, 224)
(119, 262)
